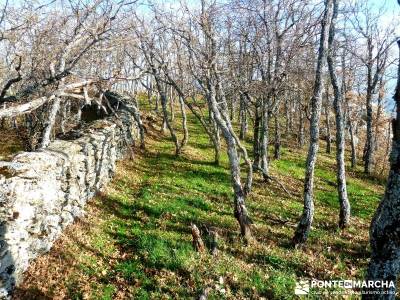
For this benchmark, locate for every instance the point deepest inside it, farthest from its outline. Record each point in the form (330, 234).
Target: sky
(392, 13)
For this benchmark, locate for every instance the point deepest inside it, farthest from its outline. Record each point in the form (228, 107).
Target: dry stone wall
(42, 192)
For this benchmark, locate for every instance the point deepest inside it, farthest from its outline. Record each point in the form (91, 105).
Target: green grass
(141, 244)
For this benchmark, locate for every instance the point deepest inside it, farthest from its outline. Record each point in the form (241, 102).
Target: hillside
(135, 241)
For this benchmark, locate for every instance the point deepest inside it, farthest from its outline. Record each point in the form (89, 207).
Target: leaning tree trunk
(216, 139)
(240, 210)
(171, 105)
(184, 123)
(51, 120)
(306, 219)
(210, 129)
(166, 122)
(344, 216)
(385, 226)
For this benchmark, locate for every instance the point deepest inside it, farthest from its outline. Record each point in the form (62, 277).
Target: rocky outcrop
(42, 192)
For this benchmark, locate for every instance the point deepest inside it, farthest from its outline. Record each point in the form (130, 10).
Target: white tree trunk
(344, 216)
(306, 219)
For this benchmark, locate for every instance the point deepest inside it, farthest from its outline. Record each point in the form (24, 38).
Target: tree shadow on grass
(30, 294)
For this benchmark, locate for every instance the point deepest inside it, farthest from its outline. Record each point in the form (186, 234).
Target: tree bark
(287, 118)
(344, 216)
(209, 128)
(216, 139)
(328, 124)
(243, 118)
(378, 113)
(368, 156)
(277, 142)
(166, 122)
(306, 219)
(353, 145)
(184, 123)
(385, 225)
(256, 138)
(197, 242)
(265, 139)
(300, 134)
(240, 210)
(171, 105)
(46, 138)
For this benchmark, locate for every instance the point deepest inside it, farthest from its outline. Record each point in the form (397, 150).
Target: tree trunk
(256, 139)
(344, 216)
(385, 226)
(300, 135)
(46, 139)
(368, 156)
(378, 114)
(232, 109)
(277, 144)
(184, 123)
(353, 145)
(166, 122)
(216, 139)
(287, 118)
(157, 100)
(197, 242)
(291, 121)
(306, 219)
(149, 89)
(171, 105)
(265, 139)
(328, 126)
(240, 211)
(210, 130)
(243, 118)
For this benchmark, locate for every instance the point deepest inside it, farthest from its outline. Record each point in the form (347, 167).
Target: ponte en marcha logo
(304, 287)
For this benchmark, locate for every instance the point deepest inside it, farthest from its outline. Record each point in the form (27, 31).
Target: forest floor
(135, 241)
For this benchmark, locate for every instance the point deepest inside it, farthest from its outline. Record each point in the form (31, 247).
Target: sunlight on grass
(142, 248)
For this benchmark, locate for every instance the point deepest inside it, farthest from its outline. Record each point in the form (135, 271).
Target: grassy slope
(136, 243)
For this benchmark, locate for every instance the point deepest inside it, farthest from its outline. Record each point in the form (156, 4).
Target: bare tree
(344, 216)
(385, 227)
(306, 219)
(373, 57)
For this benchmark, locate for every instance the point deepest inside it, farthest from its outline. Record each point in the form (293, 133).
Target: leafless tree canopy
(259, 71)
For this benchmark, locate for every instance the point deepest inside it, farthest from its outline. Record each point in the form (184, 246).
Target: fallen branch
(271, 178)
(282, 222)
(27, 107)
